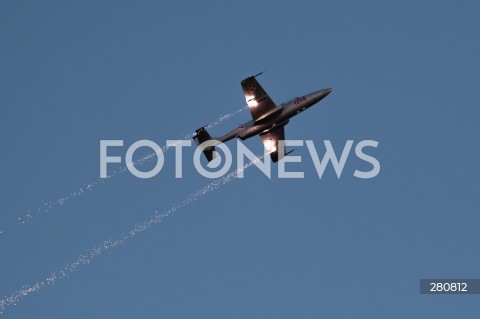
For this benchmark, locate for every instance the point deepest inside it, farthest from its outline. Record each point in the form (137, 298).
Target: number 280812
(448, 287)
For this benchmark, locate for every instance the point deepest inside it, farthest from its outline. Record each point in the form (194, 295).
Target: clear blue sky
(405, 74)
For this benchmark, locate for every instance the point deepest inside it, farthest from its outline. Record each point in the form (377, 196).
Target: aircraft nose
(318, 95)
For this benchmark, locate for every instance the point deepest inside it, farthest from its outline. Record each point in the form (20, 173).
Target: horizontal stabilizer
(201, 135)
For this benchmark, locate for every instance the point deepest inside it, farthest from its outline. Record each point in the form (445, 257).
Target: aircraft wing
(259, 103)
(270, 142)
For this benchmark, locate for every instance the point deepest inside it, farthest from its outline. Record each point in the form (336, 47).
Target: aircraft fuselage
(278, 117)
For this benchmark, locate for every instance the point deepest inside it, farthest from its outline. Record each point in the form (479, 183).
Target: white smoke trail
(222, 118)
(95, 252)
(45, 207)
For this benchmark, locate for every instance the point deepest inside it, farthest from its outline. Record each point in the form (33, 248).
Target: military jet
(268, 119)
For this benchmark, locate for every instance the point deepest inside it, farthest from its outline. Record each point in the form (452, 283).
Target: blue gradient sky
(404, 74)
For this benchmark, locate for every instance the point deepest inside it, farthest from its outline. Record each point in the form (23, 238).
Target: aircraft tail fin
(201, 135)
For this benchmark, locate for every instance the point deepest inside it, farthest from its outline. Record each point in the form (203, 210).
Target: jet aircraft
(268, 119)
